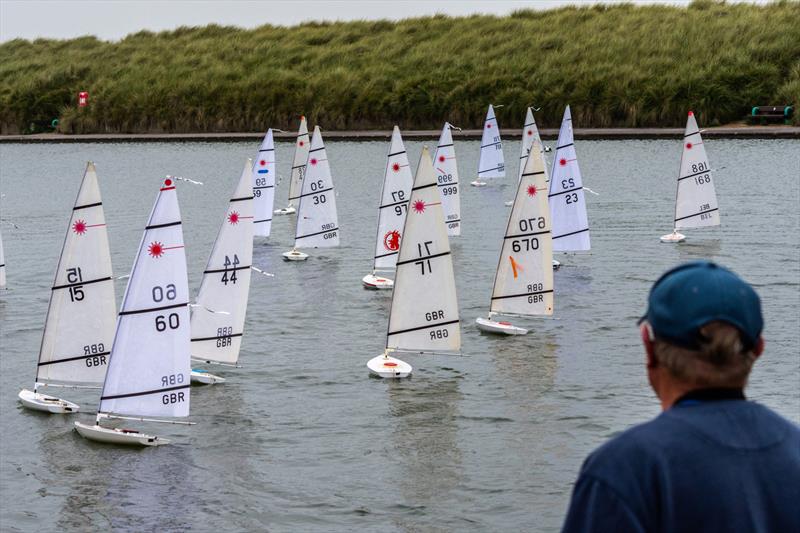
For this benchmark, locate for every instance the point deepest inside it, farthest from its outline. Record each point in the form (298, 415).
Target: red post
(83, 99)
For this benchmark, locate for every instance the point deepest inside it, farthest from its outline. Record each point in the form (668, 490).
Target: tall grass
(620, 65)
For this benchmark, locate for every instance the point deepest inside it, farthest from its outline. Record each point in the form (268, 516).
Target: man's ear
(647, 341)
(759, 348)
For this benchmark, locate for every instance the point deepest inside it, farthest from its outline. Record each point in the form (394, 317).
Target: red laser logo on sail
(301, 143)
(391, 241)
(79, 227)
(689, 146)
(530, 132)
(532, 190)
(262, 162)
(156, 249)
(562, 162)
(441, 159)
(396, 167)
(233, 218)
(313, 161)
(419, 206)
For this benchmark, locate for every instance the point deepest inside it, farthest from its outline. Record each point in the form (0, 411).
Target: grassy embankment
(616, 66)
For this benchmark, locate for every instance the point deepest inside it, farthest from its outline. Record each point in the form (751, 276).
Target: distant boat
(696, 199)
(263, 172)
(446, 168)
(301, 147)
(149, 366)
(79, 327)
(2, 265)
(217, 322)
(424, 313)
(530, 133)
(523, 283)
(570, 223)
(491, 163)
(317, 219)
(397, 182)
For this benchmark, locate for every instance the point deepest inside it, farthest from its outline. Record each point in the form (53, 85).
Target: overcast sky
(113, 19)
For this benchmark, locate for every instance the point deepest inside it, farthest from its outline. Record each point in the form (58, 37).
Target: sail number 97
(399, 196)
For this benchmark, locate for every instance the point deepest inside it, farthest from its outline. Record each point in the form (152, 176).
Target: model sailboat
(696, 199)
(569, 220)
(523, 283)
(424, 313)
(149, 366)
(79, 327)
(530, 133)
(491, 163)
(317, 220)
(446, 168)
(218, 318)
(301, 147)
(397, 182)
(263, 172)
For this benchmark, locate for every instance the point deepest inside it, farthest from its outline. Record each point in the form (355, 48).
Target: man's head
(702, 328)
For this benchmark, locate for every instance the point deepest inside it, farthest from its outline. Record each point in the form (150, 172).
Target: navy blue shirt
(707, 464)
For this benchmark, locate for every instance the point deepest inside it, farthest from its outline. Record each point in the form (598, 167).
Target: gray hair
(721, 360)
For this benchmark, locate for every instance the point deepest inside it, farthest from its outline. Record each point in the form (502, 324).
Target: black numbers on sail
(400, 209)
(224, 336)
(425, 262)
(317, 185)
(702, 179)
(567, 183)
(444, 178)
(319, 199)
(226, 277)
(163, 322)
(74, 275)
(398, 196)
(530, 224)
(434, 315)
(450, 190)
(159, 293)
(525, 245)
(572, 197)
(700, 167)
(261, 182)
(257, 193)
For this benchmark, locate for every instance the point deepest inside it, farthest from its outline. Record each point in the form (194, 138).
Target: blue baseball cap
(691, 295)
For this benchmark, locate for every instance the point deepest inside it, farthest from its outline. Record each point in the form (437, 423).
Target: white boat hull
(556, 265)
(509, 203)
(673, 238)
(289, 210)
(371, 281)
(205, 378)
(501, 328)
(294, 255)
(127, 437)
(478, 183)
(388, 367)
(47, 404)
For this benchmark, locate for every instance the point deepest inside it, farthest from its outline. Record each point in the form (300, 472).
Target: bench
(770, 113)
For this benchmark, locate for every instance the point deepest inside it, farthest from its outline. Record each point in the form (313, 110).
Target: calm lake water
(301, 439)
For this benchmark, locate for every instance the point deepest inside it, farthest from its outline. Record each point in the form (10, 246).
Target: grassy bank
(616, 65)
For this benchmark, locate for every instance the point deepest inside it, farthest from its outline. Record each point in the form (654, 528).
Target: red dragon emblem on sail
(391, 241)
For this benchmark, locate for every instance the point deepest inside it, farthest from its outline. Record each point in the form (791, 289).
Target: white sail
(149, 368)
(218, 318)
(264, 186)
(696, 201)
(2, 265)
(491, 163)
(530, 133)
(446, 168)
(424, 313)
(302, 145)
(317, 220)
(523, 284)
(79, 327)
(397, 182)
(570, 223)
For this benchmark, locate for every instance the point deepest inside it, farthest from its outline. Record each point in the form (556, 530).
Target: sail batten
(446, 170)
(424, 313)
(570, 221)
(696, 198)
(523, 283)
(217, 322)
(396, 190)
(149, 365)
(79, 328)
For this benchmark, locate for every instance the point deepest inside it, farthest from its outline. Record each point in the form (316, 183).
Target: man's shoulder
(640, 443)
